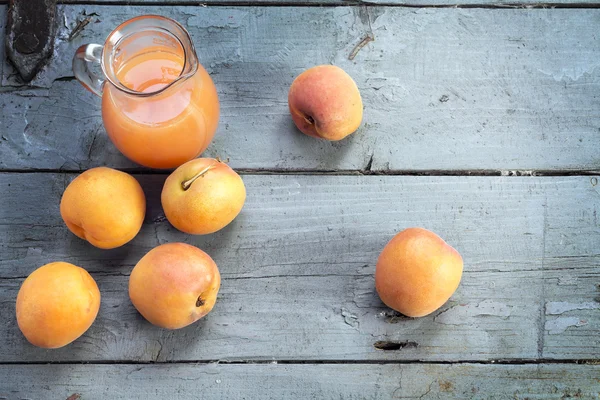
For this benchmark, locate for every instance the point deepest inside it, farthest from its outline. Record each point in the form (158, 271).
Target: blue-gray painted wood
(412, 3)
(298, 264)
(277, 382)
(444, 89)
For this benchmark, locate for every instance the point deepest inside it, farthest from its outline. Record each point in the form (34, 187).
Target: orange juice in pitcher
(159, 106)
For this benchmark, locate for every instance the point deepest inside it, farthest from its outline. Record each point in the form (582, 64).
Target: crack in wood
(369, 165)
(333, 172)
(79, 28)
(160, 348)
(366, 40)
(542, 322)
(95, 135)
(320, 362)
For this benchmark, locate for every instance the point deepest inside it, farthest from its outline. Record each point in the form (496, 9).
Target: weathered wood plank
(298, 265)
(269, 381)
(572, 275)
(3, 59)
(447, 3)
(444, 89)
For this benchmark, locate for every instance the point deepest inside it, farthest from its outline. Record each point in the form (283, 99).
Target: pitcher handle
(84, 56)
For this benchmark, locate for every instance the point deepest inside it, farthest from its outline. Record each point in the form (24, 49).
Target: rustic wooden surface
(444, 89)
(323, 382)
(410, 3)
(447, 91)
(298, 265)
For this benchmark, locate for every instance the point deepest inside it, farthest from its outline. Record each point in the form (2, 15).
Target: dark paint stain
(446, 386)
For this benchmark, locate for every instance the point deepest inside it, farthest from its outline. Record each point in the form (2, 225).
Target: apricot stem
(186, 184)
(200, 302)
(309, 119)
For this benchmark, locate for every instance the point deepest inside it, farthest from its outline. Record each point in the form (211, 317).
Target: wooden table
(482, 123)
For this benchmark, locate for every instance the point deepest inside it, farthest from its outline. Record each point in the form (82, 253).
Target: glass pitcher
(159, 106)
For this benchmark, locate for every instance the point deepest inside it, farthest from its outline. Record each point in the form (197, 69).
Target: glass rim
(116, 36)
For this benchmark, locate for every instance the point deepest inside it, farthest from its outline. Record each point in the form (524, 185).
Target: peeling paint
(561, 324)
(560, 307)
(571, 73)
(458, 314)
(350, 319)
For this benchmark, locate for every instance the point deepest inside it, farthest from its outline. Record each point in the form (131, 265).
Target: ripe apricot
(417, 272)
(56, 304)
(203, 196)
(104, 206)
(325, 103)
(174, 285)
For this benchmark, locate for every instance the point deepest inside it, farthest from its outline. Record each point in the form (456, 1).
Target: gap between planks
(516, 361)
(345, 172)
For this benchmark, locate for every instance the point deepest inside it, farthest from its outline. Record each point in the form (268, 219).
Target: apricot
(56, 304)
(203, 196)
(174, 285)
(325, 103)
(417, 272)
(104, 206)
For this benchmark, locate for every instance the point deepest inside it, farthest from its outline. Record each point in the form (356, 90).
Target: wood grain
(264, 381)
(444, 89)
(572, 275)
(298, 264)
(412, 3)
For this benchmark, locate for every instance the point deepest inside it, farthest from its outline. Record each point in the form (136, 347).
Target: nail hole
(594, 181)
